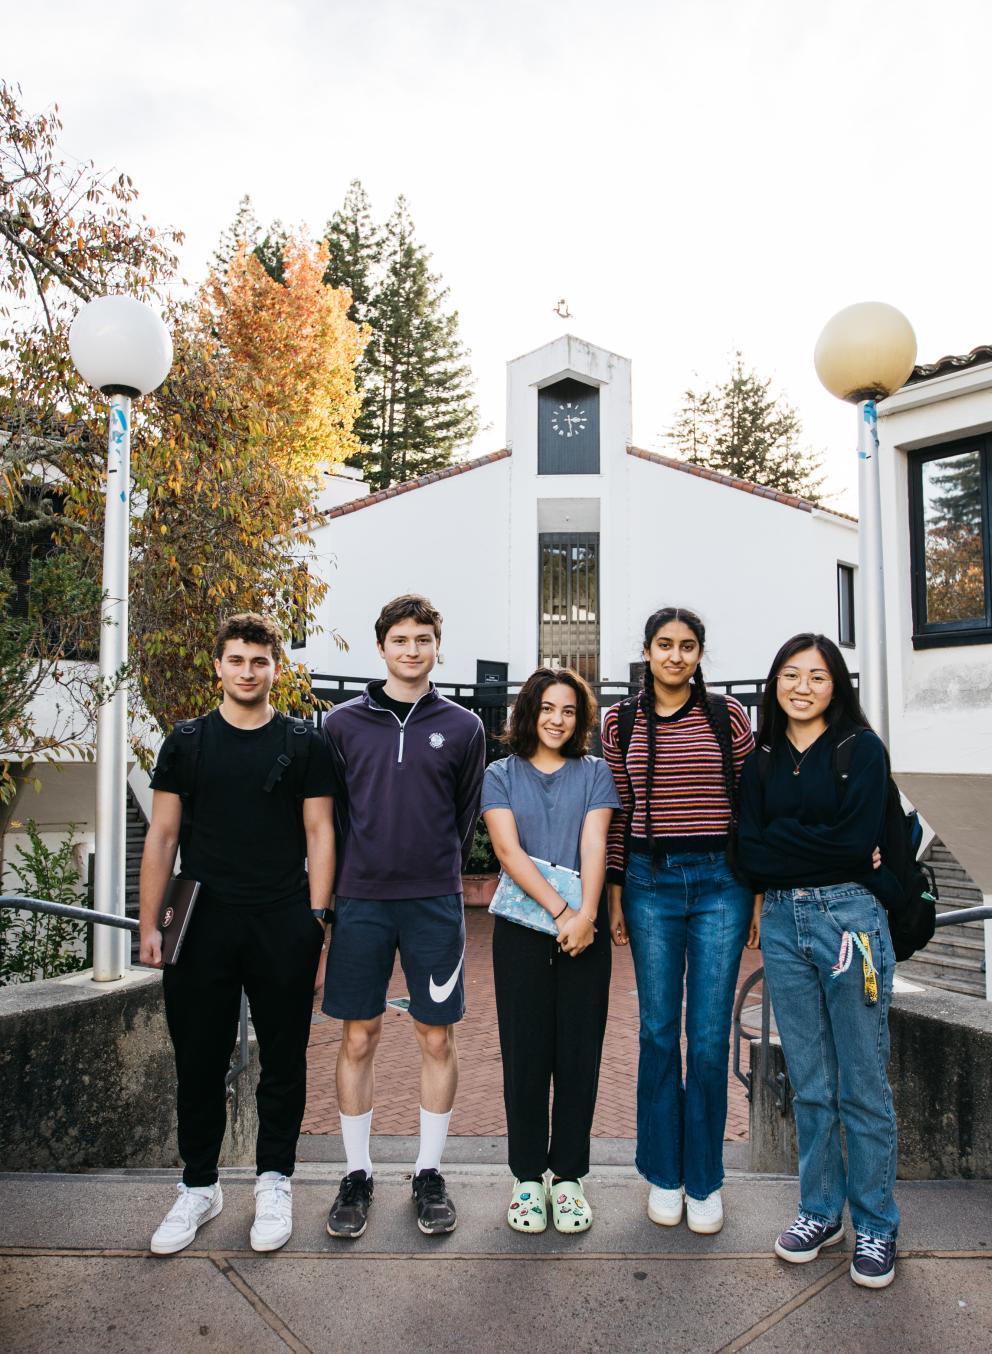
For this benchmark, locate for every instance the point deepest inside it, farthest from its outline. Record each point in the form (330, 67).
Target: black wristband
(555, 916)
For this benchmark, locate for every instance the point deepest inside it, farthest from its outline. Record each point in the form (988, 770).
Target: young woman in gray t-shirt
(550, 801)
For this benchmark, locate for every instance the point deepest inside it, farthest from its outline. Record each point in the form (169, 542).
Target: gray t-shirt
(550, 808)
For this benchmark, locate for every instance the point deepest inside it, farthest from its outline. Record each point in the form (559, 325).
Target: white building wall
(447, 540)
(564, 502)
(756, 571)
(940, 699)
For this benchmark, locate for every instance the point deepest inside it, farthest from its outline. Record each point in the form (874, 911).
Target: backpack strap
(188, 741)
(626, 719)
(764, 764)
(721, 713)
(296, 749)
(842, 754)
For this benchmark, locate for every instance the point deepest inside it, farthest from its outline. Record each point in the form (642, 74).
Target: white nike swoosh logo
(443, 992)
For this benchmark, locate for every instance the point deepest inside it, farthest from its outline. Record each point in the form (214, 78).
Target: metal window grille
(568, 628)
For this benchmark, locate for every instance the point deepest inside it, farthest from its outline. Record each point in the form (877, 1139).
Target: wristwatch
(324, 914)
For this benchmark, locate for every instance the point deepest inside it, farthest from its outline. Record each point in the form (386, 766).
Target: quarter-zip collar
(429, 696)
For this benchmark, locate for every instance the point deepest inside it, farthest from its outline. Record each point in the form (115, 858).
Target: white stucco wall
(756, 571)
(940, 699)
(447, 540)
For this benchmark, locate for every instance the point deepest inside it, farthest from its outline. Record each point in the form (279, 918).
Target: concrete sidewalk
(75, 1274)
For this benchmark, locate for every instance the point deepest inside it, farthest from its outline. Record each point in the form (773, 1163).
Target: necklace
(796, 765)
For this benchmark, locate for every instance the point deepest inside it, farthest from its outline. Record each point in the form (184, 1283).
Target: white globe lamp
(120, 346)
(123, 349)
(865, 353)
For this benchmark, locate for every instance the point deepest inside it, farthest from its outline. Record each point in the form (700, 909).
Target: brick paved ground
(479, 1104)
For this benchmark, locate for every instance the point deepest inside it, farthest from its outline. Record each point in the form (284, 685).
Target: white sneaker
(704, 1215)
(193, 1207)
(273, 1225)
(665, 1206)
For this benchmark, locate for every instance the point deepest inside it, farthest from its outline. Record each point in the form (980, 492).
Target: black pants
(552, 1017)
(272, 953)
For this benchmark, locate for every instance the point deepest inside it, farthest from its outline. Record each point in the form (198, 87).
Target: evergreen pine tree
(414, 379)
(354, 246)
(245, 229)
(740, 428)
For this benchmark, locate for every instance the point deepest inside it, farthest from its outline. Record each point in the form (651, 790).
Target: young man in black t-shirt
(248, 796)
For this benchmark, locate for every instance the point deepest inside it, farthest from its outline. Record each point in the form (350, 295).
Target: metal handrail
(90, 917)
(779, 1084)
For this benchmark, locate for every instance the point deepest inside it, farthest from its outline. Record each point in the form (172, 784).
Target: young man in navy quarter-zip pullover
(412, 764)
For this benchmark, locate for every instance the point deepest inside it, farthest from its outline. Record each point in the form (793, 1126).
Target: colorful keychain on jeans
(860, 939)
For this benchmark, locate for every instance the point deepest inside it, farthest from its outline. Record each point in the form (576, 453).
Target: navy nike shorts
(430, 936)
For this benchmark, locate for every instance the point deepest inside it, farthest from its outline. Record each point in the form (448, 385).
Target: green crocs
(570, 1209)
(528, 1206)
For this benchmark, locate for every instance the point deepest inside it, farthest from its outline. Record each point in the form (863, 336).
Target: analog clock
(568, 419)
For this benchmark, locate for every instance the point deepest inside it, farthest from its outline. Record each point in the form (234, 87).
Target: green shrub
(35, 944)
(482, 857)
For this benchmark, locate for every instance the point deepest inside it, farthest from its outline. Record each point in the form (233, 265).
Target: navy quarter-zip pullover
(412, 791)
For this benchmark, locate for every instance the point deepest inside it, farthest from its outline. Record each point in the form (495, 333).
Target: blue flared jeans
(836, 1045)
(687, 917)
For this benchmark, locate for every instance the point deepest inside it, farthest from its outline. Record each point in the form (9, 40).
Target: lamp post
(863, 354)
(121, 347)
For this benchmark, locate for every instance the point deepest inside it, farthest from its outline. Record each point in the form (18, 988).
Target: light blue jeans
(687, 917)
(836, 1048)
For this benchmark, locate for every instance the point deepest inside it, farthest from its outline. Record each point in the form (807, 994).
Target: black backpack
(189, 740)
(913, 920)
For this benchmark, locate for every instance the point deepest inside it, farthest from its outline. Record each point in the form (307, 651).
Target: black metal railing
(492, 701)
(90, 917)
(779, 1083)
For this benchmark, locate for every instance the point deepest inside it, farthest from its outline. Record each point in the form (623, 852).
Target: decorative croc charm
(527, 1206)
(569, 1207)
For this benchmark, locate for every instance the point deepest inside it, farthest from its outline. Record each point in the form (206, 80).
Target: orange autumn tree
(261, 396)
(296, 339)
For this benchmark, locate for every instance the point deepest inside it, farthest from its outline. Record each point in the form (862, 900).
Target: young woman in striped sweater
(674, 895)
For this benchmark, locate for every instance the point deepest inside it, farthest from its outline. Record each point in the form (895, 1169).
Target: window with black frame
(950, 543)
(845, 605)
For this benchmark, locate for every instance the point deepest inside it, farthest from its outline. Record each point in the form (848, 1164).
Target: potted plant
(482, 870)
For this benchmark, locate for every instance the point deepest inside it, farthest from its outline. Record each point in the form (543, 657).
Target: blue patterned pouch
(511, 902)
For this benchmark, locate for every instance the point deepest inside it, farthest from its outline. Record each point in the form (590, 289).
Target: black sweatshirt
(807, 830)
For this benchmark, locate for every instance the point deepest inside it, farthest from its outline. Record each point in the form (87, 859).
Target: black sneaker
(803, 1240)
(435, 1211)
(874, 1263)
(349, 1213)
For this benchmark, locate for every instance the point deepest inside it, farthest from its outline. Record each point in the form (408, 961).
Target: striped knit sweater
(689, 808)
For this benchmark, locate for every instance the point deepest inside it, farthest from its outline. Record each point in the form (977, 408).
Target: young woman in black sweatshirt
(807, 839)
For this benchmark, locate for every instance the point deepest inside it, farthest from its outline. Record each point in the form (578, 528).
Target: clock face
(568, 419)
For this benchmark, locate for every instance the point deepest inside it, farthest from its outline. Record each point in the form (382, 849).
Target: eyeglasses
(818, 681)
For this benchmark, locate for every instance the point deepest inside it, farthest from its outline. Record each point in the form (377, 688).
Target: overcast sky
(693, 177)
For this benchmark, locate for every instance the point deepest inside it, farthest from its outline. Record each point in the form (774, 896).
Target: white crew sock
(355, 1132)
(433, 1135)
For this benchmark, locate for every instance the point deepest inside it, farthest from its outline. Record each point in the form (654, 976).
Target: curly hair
(521, 733)
(252, 628)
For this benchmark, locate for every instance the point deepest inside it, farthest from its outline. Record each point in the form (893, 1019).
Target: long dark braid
(726, 757)
(647, 705)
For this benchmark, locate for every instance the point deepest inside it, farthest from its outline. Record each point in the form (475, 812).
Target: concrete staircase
(137, 828)
(955, 958)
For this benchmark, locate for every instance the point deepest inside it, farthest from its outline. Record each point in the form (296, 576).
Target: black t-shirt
(245, 845)
(399, 708)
